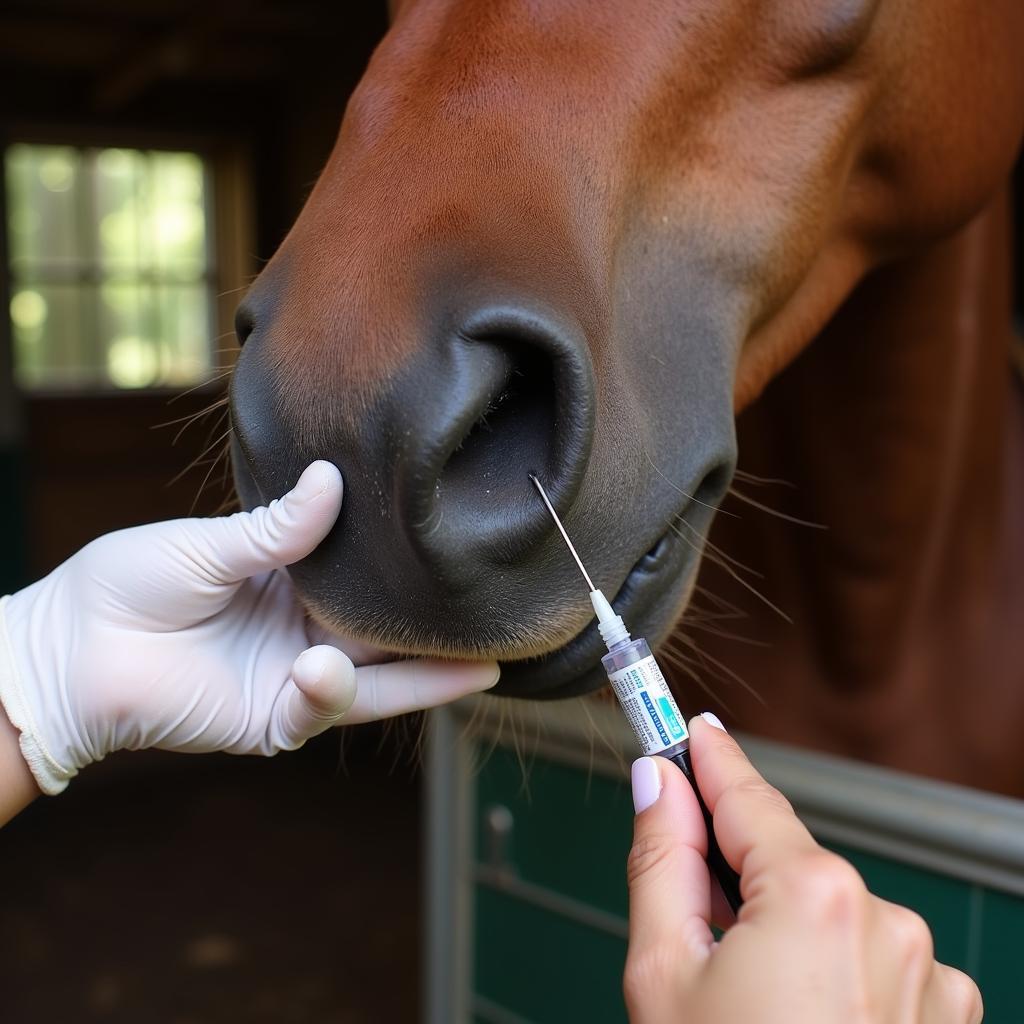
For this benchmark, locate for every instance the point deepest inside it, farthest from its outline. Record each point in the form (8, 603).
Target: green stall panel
(543, 965)
(1000, 952)
(572, 830)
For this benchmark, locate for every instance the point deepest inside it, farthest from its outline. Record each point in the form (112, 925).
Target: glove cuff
(51, 777)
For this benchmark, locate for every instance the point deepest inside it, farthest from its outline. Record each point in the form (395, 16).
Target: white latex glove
(184, 635)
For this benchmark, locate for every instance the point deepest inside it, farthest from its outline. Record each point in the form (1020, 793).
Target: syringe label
(668, 713)
(650, 708)
(666, 742)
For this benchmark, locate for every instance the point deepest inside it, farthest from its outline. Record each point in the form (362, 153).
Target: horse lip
(575, 668)
(660, 550)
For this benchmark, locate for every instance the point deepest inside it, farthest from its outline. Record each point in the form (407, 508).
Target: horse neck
(900, 428)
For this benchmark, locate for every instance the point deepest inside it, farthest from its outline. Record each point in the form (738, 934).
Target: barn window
(112, 277)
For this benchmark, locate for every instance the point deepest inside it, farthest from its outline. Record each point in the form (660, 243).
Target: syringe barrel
(646, 700)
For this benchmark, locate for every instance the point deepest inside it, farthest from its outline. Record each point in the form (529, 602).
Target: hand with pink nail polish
(811, 944)
(187, 635)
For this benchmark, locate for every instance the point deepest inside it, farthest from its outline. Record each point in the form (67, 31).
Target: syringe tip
(611, 627)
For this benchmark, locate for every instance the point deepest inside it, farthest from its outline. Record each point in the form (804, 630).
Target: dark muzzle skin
(442, 545)
(438, 540)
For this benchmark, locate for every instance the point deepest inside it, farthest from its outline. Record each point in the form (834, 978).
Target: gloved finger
(232, 548)
(398, 687)
(319, 693)
(361, 652)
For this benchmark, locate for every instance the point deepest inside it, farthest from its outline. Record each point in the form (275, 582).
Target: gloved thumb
(320, 691)
(232, 548)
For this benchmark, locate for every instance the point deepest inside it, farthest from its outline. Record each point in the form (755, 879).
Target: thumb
(401, 687)
(319, 693)
(669, 884)
(232, 548)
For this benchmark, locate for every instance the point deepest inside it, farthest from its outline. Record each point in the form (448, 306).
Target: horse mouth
(649, 601)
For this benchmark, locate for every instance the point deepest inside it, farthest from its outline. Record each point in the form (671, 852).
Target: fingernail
(712, 719)
(646, 783)
(315, 479)
(312, 665)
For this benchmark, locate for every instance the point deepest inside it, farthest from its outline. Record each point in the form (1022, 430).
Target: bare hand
(810, 943)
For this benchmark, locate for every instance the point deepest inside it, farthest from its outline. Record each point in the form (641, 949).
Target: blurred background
(154, 155)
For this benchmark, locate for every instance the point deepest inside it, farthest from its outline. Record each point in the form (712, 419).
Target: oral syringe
(647, 703)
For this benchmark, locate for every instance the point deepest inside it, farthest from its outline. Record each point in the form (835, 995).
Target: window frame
(230, 240)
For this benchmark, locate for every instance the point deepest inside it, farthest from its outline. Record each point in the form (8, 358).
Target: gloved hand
(184, 635)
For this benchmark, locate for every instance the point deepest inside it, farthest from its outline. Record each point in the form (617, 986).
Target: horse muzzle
(441, 546)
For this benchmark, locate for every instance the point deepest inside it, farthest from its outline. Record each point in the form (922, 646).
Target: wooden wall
(269, 82)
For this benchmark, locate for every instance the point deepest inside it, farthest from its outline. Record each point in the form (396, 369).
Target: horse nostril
(512, 435)
(517, 398)
(245, 321)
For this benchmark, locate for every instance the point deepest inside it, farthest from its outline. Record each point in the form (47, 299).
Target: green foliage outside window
(111, 276)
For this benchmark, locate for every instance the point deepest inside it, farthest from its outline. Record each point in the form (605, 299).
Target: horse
(615, 245)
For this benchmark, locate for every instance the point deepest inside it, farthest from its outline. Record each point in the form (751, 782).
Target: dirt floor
(205, 890)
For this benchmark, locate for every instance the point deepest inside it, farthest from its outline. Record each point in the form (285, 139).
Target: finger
(669, 885)
(321, 690)
(398, 687)
(952, 997)
(361, 652)
(231, 548)
(754, 823)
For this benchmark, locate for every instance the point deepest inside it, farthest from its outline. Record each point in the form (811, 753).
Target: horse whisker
(196, 461)
(675, 659)
(213, 379)
(718, 551)
(209, 473)
(743, 583)
(595, 730)
(685, 494)
(723, 634)
(774, 512)
(708, 660)
(728, 610)
(761, 481)
(187, 421)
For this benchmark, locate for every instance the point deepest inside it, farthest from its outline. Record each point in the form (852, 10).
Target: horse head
(574, 239)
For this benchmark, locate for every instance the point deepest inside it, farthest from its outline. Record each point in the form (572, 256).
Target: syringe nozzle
(610, 625)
